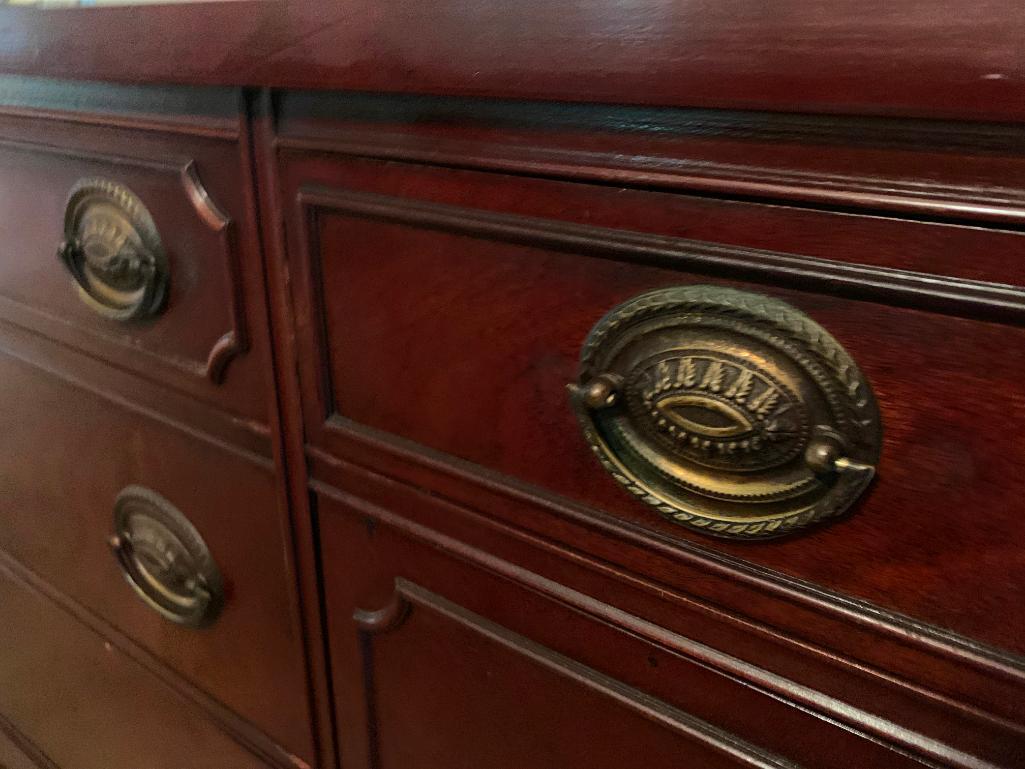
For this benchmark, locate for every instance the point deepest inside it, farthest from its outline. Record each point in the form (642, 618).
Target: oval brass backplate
(113, 251)
(164, 558)
(728, 412)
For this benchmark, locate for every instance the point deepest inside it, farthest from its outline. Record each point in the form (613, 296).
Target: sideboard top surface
(912, 58)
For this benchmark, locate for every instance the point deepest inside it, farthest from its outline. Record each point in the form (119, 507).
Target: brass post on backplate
(728, 412)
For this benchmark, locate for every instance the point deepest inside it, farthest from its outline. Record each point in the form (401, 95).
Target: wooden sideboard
(511, 385)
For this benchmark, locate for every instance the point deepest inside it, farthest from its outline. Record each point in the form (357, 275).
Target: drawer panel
(459, 330)
(80, 703)
(72, 453)
(428, 633)
(200, 337)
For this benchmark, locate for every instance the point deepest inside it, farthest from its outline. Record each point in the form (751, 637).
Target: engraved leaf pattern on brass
(720, 412)
(728, 412)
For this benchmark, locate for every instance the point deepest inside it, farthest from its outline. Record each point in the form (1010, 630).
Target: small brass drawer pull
(729, 412)
(113, 251)
(164, 559)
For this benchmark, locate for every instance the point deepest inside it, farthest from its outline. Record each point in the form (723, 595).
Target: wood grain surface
(913, 57)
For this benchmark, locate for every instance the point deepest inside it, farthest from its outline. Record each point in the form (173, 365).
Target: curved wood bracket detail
(235, 341)
(208, 211)
(170, 171)
(387, 618)
(221, 354)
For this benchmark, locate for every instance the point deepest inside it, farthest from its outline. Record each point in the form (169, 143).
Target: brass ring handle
(113, 251)
(728, 412)
(164, 559)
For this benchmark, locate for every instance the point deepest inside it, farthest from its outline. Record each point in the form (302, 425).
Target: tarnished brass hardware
(728, 412)
(164, 559)
(113, 251)
(602, 392)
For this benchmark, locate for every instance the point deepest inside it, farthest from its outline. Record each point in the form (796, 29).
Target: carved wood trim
(966, 298)
(409, 596)
(208, 211)
(221, 354)
(926, 641)
(488, 491)
(355, 135)
(859, 721)
(308, 209)
(232, 342)
(207, 130)
(901, 288)
(235, 341)
(209, 112)
(317, 115)
(943, 201)
(388, 617)
(260, 166)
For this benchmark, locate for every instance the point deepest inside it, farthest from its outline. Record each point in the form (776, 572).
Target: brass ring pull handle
(164, 559)
(112, 250)
(728, 412)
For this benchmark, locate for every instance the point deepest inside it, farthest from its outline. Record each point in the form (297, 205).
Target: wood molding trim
(287, 428)
(233, 342)
(489, 493)
(854, 719)
(431, 131)
(902, 288)
(207, 112)
(245, 438)
(945, 202)
(409, 597)
(406, 462)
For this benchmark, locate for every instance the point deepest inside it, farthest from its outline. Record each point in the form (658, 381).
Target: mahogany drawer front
(75, 701)
(74, 456)
(200, 336)
(429, 632)
(449, 308)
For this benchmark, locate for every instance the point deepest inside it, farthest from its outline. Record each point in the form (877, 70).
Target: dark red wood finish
(952, 170)
(190, 187)
(69, 698)
(580, 609)
(356, 392)
(913, 57)
(428, 632)
(440, 311)
(183, 405)
(59, 517)
(290, 446)
(494, 371)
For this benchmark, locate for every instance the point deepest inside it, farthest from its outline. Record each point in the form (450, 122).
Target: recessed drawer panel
(174, 539)
(78, 702)
(446, 655)
(137, 248)
(452, 308)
